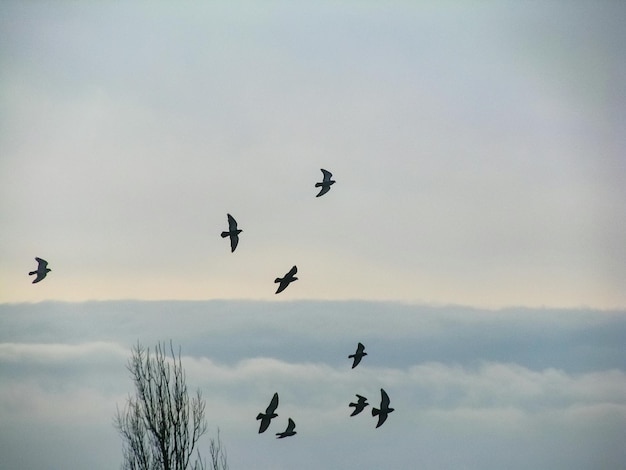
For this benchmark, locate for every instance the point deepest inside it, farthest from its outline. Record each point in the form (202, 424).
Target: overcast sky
(477, 149)
(474, 239)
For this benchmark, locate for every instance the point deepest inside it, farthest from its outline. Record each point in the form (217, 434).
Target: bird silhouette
(326, 183)
(42, 270)
(384, 410)
(233, 232)
(359, 405)
(358, 355)
(289, 431)
(266, 417)
(285, 281)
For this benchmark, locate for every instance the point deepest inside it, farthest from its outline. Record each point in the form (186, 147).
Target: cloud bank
(516, 388)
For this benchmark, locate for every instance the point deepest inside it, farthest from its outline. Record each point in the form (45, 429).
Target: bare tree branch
(218, 454)
(160, 426)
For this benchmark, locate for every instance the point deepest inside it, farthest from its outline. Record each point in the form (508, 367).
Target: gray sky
(478, 150)
(473, 389)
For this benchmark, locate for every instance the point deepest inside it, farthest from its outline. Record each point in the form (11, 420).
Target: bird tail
(225, 234)
(260, 416)
(32, 272)
(375, 411)
(277, 279)
(317, 185)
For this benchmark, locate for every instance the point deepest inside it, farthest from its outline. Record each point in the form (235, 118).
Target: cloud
(574, 340)
(431, 385)
(439, 407)
(58, 353)
(471, 388)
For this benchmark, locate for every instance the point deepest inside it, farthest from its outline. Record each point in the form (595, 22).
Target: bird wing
(273, 405)
(323, 191)
(290, 426)
(361, 398)
(384, 400)
(234, 241)
(265, 423)
(42, 263)
(360, 348)
(292, 272)
(232, 223)
(327, 174)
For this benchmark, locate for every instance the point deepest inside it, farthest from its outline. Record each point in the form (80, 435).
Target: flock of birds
(382, 412)
(283, 282)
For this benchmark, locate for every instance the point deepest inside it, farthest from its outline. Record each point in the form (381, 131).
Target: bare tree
(160, 426)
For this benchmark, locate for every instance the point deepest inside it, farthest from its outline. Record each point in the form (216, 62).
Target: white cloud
(26, 353)
(428, 385)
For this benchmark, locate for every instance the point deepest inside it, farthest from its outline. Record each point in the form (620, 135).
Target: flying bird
(285, 281)
(359, 405)
(325, 183)
(233, 232)
(358, 355)
(266, 417)
(42, 270)
(289, 431)
(384, 410)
